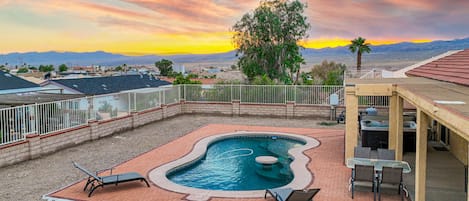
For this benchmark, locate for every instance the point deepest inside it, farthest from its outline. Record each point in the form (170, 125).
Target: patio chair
(288, 194)
(100, 181)
(363, 174)
(362, 152)
(386, 154)
(391, 178)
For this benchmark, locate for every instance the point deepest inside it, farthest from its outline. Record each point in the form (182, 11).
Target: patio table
(379, 164)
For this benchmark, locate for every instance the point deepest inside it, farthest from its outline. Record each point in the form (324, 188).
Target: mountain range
(392, 56)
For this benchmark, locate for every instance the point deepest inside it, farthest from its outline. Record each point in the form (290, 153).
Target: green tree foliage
(267, 40)
(63, 68)
(180, 79)
(118, 68)
(307, 78)
(22, 70)
(360, 46)
(165, 66)
(4, 68)
(46, 68)
(328, 73)
(263, 80)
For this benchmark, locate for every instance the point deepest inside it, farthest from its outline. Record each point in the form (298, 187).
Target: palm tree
(358, 45)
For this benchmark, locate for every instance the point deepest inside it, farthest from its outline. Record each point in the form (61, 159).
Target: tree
(46, 68)
(359, 46)
(267, 40)
(180, 79)
(165, 66)
(263, 80)
(118, 68)
(328, 73)
(23, 70)
(63, 68)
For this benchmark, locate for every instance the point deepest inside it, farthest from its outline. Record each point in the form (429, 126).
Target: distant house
(15, 91)
(10, 84)
(104, 85)
(452, 68)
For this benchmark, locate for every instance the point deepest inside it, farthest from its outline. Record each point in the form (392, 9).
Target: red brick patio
(326, 164)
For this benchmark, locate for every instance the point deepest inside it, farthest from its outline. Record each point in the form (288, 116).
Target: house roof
(111, 84)
(452, 68)
(9, 81)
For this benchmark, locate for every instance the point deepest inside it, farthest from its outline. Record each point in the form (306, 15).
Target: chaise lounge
(97, 181)
(288, 194)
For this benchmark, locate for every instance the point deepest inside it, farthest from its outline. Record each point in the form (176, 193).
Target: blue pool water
(230, 164)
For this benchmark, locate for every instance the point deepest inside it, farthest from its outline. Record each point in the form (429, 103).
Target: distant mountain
(383, 56)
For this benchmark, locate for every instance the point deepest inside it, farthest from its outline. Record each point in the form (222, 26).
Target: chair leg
(88, 183)
(374, 191)
(148, 185)
(94, 188)
(378, 188)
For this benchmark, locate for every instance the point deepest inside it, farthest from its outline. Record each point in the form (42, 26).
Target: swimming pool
(229, 164)
(205, 160)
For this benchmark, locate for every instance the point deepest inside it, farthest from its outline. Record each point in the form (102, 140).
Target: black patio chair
(363, 174)
(288, 194)
(100, 181)
(386, 154)
(362, 152)
(391, 178)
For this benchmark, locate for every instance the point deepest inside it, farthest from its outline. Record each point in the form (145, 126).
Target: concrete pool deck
(326, 165)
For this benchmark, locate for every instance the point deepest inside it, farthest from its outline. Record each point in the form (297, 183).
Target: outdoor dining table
(379, 164)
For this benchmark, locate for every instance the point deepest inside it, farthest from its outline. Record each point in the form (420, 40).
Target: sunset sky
(137, 27)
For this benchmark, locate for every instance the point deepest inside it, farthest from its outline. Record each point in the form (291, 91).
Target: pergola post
(396, 119)
(351, 121)
(421, 155)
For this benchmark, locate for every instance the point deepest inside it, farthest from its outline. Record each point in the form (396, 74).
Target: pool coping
(302, 175)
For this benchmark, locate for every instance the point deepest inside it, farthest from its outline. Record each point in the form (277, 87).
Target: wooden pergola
(444, 102)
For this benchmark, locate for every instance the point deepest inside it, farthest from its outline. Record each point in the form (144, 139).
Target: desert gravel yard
(31, 179)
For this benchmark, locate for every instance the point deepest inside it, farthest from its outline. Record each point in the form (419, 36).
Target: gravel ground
(30, 180)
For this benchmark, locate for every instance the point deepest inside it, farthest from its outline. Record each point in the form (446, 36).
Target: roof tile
(452, 68)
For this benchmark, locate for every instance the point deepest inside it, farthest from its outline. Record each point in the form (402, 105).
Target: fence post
(159, 97)
(36, 118)
(129, 99)
(240, 94)
(185, 92)
(179, 93)
(135, 101)
(164, 97)
(294, 93)
(285, 93)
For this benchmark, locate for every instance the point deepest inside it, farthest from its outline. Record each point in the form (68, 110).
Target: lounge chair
(288, 194)
(100, 181)
(364, 175)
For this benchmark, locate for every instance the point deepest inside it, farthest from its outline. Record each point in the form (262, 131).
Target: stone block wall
(36, 145)
(279, 110)
(63, 139)
(207, 108)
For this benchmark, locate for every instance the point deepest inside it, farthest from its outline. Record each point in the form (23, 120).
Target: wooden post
(400, 128)
(421, 156)
(392, 133)
(351, 121)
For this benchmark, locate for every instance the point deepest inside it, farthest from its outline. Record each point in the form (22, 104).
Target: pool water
(230, 164)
